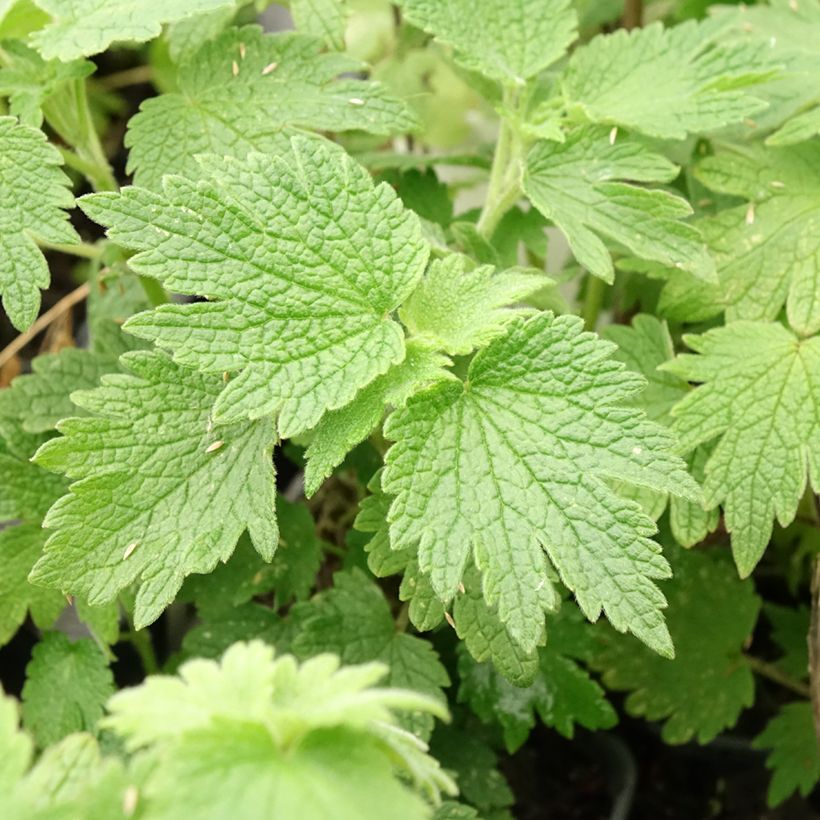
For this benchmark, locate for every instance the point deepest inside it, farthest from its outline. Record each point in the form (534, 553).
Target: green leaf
(562, 693)
(233, 105)
(16, 748)
(509, 41)
(20, 547)
(353, 620)
(790, 626)
(33, 193)
(760, 387)
(258, 736)
(339, 431)
(766, 250)
(185, 36)
(704, 689)
(80, 28)
(510, 467)
(222, 626)
(667, 82)
(690, 522)
(325, 19)
(458, 309)
(305, 320)
(581, 185)
(66, 686)
(158, 494)
(794, 757)
(798, 129)
(39, 400)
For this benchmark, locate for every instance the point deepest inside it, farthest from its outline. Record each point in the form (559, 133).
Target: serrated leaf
(41, 399)
(704, 689)
(186, 36)
(20, 547)
(80, 28)
(760, 387)
(324, 19)
(233, 105)
(158, 494)
(33, 193)
(690, 522)
(253, 735)
(353, 620)
(66, 686)
(222, 626)
(766, 250)
(459, 308)
(510, 467)
(305, 320)
(585, 186)
(798, 129)
(339, 431)
(667, 82)
(794, 756)
(509, 41)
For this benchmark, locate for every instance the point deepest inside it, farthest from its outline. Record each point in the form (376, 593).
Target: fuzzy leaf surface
(150, 502)
(509, 41)
(704, 689)
(33, 193)
(233, 105)
(767, 251)
(511, 466)
(67, 684)
(585, 185)
(80, 28)
(760, 394)
(666, 82)
(303, 260)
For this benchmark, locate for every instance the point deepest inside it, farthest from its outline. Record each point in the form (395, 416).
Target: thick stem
(593, 301)
(505, 181)
(770, 671)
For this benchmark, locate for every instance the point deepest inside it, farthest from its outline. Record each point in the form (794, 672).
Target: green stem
(91, 148)
(81, 249)
(140, 639)
(403, 618)
(154, 291)
(770, 671)
(593, 301)
(130, 76)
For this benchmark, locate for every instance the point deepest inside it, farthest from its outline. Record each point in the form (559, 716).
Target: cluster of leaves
(284, 287)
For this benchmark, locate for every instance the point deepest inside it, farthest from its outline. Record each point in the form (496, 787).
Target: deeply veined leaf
(258, 736)
(304, 261)
(80, 28)
(33, 193)
(794, 757)
(67, 684)
(509, 41)
(353, 620)
(800, 128)
(586, 187)
(159, 493)
(510, 466)
(324, 19)
(561, 695)
(339, 431)
(760, 387)
(767, 250)
(241, 92)
(458, 309)
(667, 82)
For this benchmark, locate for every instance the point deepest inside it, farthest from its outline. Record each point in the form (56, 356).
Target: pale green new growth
(83, 27)
(667, 82)
(254, 736)
(798, 129)
(562, 694)
(760, 393)
(353, 620)
(33, 192)
(511, 467)
(159, 493)
(66, 686)
(239, 93)
(794, 756)
(767, 250)
(458, 308)
(339, 431)
(509, 41)
(324, 19)
(703, 691)
(303, 260)
(582, 185)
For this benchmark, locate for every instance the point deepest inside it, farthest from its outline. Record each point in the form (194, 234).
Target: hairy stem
(770, 671)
